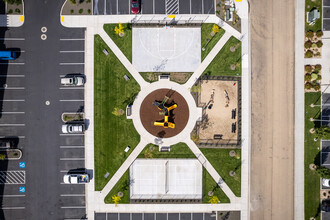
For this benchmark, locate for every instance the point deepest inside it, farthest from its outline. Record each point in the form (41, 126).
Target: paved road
(33, 79)
(272, 43)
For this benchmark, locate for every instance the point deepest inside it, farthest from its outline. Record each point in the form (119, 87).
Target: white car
(73, 81)
(73, 128)
(76, 178)
(326, 182)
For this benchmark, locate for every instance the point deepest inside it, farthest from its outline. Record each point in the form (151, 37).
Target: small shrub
(89, 11)
(17, 10)
(316, 72)
(316, 87)
(314, 76)
(10, 11)
(118, 112)
(308, 77)
(309, 34)
(11, 2)
(73, 2)
(319, 33)
(2, 156)
(71, 11)
(319, 44)
(308, 68)
(323, 172)
(88, 1)
(318, 67)
(318, 54)
(308, 44)
(319, 77)
(308, 85)
(309, 54)
(81, 11)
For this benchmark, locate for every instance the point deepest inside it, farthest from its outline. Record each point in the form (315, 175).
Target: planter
(10, 154)
(67, 116)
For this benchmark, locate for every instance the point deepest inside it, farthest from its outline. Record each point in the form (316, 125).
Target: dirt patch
(221, 118)
(150, 113)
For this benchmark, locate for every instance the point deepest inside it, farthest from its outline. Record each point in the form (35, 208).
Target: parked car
(73, 81)
(73, 128)
(326, 182)
(76, 178)
(325, 205)
(135, 7)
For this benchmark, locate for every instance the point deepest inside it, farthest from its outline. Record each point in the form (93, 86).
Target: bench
(126, 77)
(127, 149)
(217, 136)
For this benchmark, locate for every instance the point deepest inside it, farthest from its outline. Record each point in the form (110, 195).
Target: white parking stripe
(12, 38)
(71, 134)
(12, 112)
(4, 75)
(2, 125)
(73, 51)
(12, 63)
(74, 87)
(71, 146)
(9, 196)
(72, 100)
(12, 100)
(72, 158)
(17, 136)
(1, 88)
(64, 195)
(64, 171)
(12, 208)
(71, 64)
(72, 207)
(72, 39)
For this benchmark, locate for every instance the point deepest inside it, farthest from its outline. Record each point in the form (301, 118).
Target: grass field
(206, 34)
(210, 185)
(180, 150)
(124, 43)
(121, 186)
(318, 24)
(220, 65)
(112, 133)
(312, 180)
(223, 163)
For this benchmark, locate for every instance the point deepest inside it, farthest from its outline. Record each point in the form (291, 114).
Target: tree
(309, 54)
(309, 34)
(319, 44)
(323, 172)
(117, 111)
(195, 138)
(322, 132)
(215, 29)
(115, 199)
(308, 85)
(319, 33)
(196, 88)
(308, 44)
(318, 67)
(214, 200)
(308, 68)
(119, 30)
(308, 77)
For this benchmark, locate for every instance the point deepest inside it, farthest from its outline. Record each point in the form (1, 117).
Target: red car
(135, 8)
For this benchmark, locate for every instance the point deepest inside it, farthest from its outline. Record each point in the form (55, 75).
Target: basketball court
(166, 179)
(166, 49)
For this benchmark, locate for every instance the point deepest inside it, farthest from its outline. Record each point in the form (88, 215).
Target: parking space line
(72, 158)
(7, 208)
(74, 87)
(190, 6)
(12, 100)
(12, 112)
(64, 171)
(1, 88)
(72, 147)
(12, 63)
(72, 63)
(153, 6)
(71, 134)
(117, 6)
(202, 6)
(105, 7)
(4, 75)
(72, 207)
(17, 136)
(12, 38)
(63, 39)
(9, 196)
(72, 100)
(2, 125)
(72, 51)
(76, 195)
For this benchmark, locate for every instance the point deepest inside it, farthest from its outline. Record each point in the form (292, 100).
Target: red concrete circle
(150, 113)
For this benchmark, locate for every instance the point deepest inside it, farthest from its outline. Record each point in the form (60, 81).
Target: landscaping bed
(180, 78)
(121, 189)
(15, 7)
(209, 185)
(113, 132)
(313, 44)
(312, 155)
(10, 154)
(228, 60)
(77, 7)
(223, 163)
(67, 116)
(209, 39)
(221, 13)
(180, 150)
(313, 78)
(125, 42)
(309, 5)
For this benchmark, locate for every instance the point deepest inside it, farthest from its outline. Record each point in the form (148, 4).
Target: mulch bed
(150, 113)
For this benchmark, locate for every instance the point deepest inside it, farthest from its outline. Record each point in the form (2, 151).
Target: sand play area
(220, 112)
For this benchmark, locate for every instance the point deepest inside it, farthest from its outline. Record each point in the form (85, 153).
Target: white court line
(12, 100)
(12, 88)
(64, 195)
(72, 158)
(72, 39)
(73, 87)
(73, 51)
(12, 38)
(4, 196)
(12, 63)
(12, 125)
(71, 64)
(71, 134)
(12, 208)
(72, 207)
(72, 147)
(12, 112)
(12, 75)
(72, 100)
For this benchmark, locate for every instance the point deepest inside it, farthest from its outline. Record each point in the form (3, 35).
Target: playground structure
(166, 111)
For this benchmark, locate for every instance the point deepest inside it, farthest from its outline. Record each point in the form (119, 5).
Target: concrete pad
(166, 50)
(166, 179)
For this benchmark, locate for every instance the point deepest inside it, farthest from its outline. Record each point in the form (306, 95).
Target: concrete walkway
(208, 59)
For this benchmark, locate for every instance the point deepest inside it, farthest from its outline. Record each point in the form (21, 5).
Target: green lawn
(220, 65)
(312, 180)
(112, 133)
(223, 163)
(210, 185)
(121, 186)
(180, 150)
(206, 34)
(318, 24)
(124, 43)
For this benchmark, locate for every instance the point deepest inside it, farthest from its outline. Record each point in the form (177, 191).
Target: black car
(325, 205)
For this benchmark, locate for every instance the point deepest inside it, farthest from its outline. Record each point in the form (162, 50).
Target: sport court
(166, 179)
(166, 49)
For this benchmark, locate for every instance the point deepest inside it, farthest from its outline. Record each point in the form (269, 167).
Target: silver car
(73, 128)
(73, 81)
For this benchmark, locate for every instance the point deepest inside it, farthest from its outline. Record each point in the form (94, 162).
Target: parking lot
(113, 7)
(326, 15)
(71, 99)
(155, 216)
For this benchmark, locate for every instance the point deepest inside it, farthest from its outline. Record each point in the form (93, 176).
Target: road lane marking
(72, 158)
(71, 147)
(73, 51)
